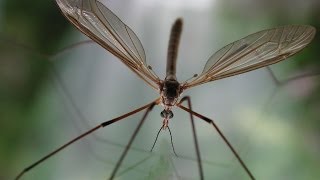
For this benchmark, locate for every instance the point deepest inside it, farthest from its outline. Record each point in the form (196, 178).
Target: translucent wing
(255, 51)
(101, 25)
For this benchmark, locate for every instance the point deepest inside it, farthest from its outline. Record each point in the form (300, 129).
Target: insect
(257, 50)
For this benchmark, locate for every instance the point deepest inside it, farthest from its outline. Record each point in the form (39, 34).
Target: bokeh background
(53, 89)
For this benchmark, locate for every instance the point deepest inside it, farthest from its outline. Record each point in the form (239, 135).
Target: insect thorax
(170, 91)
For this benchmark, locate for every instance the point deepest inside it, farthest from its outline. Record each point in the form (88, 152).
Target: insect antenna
(171, 140)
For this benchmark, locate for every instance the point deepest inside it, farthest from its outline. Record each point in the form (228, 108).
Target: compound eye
(163, 113)
(170, 114)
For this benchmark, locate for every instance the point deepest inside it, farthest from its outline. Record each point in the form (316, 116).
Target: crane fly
(254, 51)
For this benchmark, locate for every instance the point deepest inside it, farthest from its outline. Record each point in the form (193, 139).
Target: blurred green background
(49, 95)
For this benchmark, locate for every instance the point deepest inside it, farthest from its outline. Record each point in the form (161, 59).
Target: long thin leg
(175, 169)
(135, 165)
(70, 47)
(187, 98)
(131, 140)
(296, 77)
(104, 124)
(50, 56)
(222, 136)
(69, 98)
(281, 83)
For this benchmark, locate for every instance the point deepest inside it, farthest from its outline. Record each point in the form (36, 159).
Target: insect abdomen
(173, 49)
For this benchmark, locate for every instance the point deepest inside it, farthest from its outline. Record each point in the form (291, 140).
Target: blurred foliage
(40, 26)
(28, 24)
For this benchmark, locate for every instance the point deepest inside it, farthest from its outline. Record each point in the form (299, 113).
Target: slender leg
(175, 170)
(296, 77)
(135, 165)
(281, 83)
(150, 106)
(106, 123)
(78, 112)
(44, 55)
(222, 136)
(187, 98)
(70, 47)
